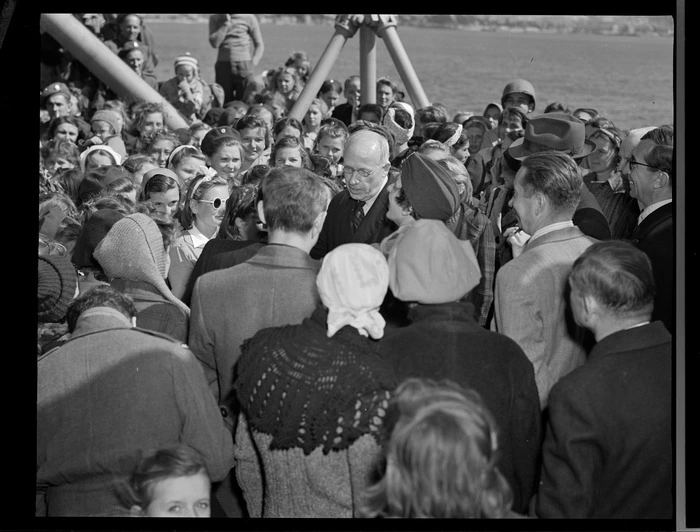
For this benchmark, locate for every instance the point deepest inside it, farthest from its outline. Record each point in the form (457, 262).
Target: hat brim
(518, 151)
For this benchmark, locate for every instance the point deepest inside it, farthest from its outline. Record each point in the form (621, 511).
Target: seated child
(185, 91)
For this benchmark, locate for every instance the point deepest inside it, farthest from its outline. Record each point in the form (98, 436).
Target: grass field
(628, 79)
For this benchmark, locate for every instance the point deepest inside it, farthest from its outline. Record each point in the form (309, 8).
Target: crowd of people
(376, 311)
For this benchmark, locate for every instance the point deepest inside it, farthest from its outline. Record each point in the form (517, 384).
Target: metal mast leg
(105, 64)
(368, 65)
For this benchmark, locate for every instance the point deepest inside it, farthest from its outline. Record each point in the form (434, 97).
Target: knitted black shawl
(307, 390)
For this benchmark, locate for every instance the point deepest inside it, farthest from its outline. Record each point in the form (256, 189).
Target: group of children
(123, 154)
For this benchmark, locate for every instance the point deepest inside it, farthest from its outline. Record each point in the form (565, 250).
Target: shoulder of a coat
(161, 336)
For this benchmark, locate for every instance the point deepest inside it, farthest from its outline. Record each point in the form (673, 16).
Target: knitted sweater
(311, 411)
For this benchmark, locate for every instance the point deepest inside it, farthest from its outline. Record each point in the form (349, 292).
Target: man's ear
(661, 180)
(318, 224)
(541, 200)
(261, 212)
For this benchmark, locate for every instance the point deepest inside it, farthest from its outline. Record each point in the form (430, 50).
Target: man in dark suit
(608, 449)
(651, 183)
(358, 213)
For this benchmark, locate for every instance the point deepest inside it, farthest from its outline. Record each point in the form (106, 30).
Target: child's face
(352, 93)
(313, 116)
(135, 60)
(54, 165)
(302, 67)
(285, 83)
(288, 157)
(101, 129)
(151, 122)
(332, 148)
(180, 497)
(66, 131)
(227, 162)
(165, 202)
(161, 150)
(462, 152)
(475, 136)
(385, 96)
(131, 27)
(187, 168)
(331, 98)
(253, 140)
(97, 159)
(492, 114)
(185, 73)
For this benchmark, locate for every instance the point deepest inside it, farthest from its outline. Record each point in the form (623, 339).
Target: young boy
(351, 91)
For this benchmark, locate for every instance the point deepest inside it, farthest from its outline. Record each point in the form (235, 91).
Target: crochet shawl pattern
(308, 391)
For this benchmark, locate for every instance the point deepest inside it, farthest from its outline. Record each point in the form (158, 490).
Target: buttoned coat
(531, 305)
(277, 286)
(337, 228)
(608, 450)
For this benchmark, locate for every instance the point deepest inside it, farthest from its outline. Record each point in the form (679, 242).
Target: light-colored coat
(531, 305)
(277, 286)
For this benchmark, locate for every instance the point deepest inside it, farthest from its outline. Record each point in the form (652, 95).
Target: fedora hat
(557, 131)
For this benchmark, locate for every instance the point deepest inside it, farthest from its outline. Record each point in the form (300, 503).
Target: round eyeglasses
(216, 202)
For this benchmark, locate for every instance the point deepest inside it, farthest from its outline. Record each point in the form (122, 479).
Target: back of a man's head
(617, 275)
(99, 296)
(662, 135)
(557, 176)
(292, 199)
(431, 114)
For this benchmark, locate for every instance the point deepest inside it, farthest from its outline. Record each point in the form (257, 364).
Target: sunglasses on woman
(216, 202)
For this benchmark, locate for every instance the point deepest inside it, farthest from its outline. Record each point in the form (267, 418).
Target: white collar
(199, 239)
(651, 208)
(551, 227)
(368, 204)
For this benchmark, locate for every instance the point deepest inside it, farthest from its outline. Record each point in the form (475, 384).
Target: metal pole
(318, 76)
(368, 65)
(403, 65)
(105, 64)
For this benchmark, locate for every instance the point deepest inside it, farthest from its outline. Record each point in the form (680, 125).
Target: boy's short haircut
(431, 114)
(293, 198)
(349, 80)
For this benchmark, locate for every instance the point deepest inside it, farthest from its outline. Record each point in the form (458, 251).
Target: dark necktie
(358, 215)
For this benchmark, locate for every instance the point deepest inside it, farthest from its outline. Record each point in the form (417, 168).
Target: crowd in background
(375, 311)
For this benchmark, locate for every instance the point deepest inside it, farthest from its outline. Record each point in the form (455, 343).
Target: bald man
(358, 213)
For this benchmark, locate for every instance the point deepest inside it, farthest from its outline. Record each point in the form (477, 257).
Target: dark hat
(129, 46)
(94, 230)
(88, 189)
(558, 131)
(55, 88)
(56, 287)
(430, 188)
(216, 133)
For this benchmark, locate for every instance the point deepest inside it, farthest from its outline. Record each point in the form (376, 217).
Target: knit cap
(430, 188)
(186, 59)
(429, 264)
(352, 283)
(56, 287)
(94, 230)
(109, 116)
(133, 250)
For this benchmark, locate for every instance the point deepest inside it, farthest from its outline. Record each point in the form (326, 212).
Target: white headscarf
(352, 283)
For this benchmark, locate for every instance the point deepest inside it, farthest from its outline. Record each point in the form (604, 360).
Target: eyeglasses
(632, 162)
(216, 202)
(348, 172)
